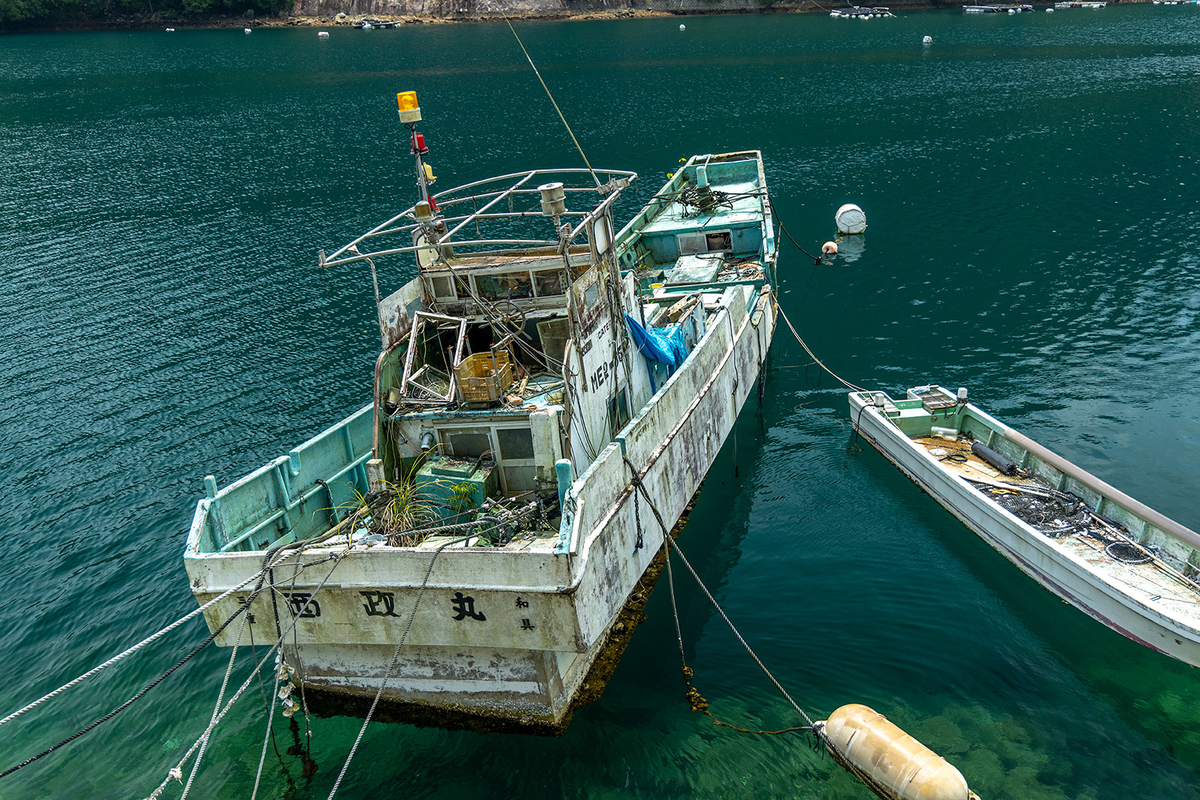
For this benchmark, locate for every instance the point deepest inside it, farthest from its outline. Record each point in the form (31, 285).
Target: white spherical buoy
(927, 40)
(247, 30)
(850, 219)
(829, 248)
(682, 27)
(322, 34)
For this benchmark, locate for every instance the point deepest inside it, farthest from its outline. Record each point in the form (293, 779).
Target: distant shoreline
(348, 20)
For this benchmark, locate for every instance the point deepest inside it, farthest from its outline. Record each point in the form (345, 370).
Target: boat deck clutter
(1110, 556)
(541, 363)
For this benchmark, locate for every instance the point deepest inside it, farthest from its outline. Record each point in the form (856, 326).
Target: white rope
(176, 773)
(130, 651)
(220, 696)
(391, 667)
(262, 759)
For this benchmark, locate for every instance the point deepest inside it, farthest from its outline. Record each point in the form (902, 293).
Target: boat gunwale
(1110, 493)
(1046, 545)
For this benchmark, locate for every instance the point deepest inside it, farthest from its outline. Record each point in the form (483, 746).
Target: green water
(1031, 185)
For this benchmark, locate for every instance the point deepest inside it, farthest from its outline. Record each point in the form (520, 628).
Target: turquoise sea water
(1032, 186)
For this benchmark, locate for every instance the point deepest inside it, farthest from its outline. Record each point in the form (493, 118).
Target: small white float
(927, 40)
(322, 34)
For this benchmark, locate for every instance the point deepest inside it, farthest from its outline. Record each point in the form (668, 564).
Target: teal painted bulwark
(715, 208)
(292, 498)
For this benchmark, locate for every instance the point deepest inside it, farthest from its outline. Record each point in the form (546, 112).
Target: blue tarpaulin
(664, 346)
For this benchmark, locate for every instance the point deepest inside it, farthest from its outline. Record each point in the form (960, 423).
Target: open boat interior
(510, 353)
(1118, 536)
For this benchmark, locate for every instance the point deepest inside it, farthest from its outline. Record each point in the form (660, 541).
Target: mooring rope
(216, 708)
(137, 696)
(817, 361)
(395, 660)
(694, 697)
(176, 772)
(548, 94)
(811, 727)
(817, 260)
(130, 651)
(671, 543)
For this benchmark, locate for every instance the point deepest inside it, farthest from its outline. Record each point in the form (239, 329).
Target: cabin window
(505, 286)
(618, 410)
(550, 283)
(466, 443)
(515, 443)
(591, 294)
(517, 470)
(443, 287)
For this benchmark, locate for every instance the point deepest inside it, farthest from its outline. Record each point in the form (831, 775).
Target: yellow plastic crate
(483, 377)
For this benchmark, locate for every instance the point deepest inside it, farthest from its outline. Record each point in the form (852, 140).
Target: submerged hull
(1133, 601)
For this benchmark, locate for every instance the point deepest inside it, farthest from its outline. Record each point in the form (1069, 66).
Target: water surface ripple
(1032, 187)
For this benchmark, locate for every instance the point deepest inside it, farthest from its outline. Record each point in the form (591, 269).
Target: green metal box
(454, 485)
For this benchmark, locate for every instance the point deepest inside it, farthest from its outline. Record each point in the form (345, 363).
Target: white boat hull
(1131, 613)
(538, 619)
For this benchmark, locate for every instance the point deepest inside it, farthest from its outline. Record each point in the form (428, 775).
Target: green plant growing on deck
(403, 514)
(462, 498)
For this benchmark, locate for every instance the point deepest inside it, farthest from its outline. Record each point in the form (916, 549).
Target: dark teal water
(1032, 187)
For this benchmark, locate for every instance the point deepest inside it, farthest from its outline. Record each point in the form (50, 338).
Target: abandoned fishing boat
(1105, 553)
(468, 546)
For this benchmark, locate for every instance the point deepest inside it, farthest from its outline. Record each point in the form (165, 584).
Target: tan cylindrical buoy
(891, 758)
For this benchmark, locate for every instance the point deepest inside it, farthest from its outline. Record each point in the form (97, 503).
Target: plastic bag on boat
(664, 346)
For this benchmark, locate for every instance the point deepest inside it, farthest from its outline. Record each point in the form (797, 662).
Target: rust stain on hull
(340, 704)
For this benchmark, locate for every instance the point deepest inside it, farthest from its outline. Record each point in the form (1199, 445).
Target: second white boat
(1110, 556)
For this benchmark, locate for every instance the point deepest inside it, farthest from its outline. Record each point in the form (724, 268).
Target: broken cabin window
(550, 283)
(466, 444)
(506, 286)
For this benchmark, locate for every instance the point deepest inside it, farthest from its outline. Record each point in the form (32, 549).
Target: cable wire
(552, 102)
